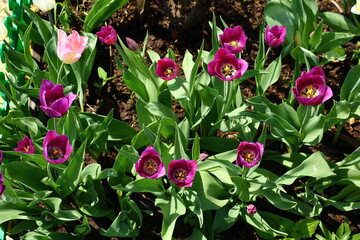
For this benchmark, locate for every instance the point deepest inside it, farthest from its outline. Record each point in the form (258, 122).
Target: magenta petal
(50, 112)
(61, 142)
(61, 105)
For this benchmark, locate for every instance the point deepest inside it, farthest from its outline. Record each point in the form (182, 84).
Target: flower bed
(211, 143)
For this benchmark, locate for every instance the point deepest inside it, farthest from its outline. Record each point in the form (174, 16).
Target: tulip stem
(48, 168)
(339, 127)
(307, 63)
(58, 79)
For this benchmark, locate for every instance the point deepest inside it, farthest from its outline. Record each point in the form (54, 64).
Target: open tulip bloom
(182, 172)
(233, 39)
(275, 36)
(70, 48)
(25, 146)
(249, 154)
(310, 89)
(227, 66)
(53, 101)
(56, 148)
(166, 69)
(107, 35)
(150, 164)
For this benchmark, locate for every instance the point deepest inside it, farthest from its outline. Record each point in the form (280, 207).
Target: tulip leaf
(136, 85)
(100, 11)
(18, 210)
(315, 166)
(332, 40)
(70, 177)
(339, 22)
(350, 89)
(122, 226)
(19, 172)
(172, 207)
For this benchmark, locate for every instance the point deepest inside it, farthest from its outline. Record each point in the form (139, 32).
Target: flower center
(26, 148)
(55, 153)
(309, 92)
(150, 166)
(248, 156)
(169, 72)
(228, 70)
(180, 174)
(235, 43)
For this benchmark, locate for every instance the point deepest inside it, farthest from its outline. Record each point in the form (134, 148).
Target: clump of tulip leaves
(50, 147)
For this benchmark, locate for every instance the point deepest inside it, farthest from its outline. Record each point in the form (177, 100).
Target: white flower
(356, 8)
(3, 30)
(44, 5)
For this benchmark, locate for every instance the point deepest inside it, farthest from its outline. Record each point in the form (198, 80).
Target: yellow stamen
(235, 43)
(180, 174)
(248, 156)
(151, 166)
(55, 153)
(169, 72)
(228, 70)
(309, 92)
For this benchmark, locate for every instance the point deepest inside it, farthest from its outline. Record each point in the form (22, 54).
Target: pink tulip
(182, 172)
(249, 154)
(149, 164)
(70, 48)
(233, 39)
(166, 69)
(107, 35)
(275, 36)
(25, 146)
(56, 148)
(251, 209)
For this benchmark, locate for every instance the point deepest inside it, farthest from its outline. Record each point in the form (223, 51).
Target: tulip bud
(132, 45)
(45, 5)
(251, 209)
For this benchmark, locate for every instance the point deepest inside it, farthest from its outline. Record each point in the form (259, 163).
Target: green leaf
(351, 87)
(70, 178)
(122, 226)
(339, 22)
(136, 85)
(100, 11)
(143, 185)
(305, 228)
(20, 172)
(315, 166)
(172, 207)
(332, 40)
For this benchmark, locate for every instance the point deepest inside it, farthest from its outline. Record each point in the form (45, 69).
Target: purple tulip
(233, 39)
(166, 69)
(132, 45)
(52, 99)
(275, 36)
(310, 88)
(56, 148)
(2, 186)
(182, 172)
(107, 35)
(25, 146)
(150, 164)
(251, 209)
(226, 66)
(249, 154)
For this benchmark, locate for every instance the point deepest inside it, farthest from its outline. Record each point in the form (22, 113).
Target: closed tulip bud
(45, 5)
(275, 36)
(251, 209)
(132, 45)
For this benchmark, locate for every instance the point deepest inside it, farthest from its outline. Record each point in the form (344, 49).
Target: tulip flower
(25, 146)
(45, 5)
(70, 48)
(356, 8)
(166, 69)
(56, 148)
(251, 209)
(310, 88)
(249, 154)
(233, 39)
(150, 164)
(132, 45)
(52, 99)
(3, 30)
(2, 186)
(107, 35)
(275, 36)
(182, 172)
(226, 66)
